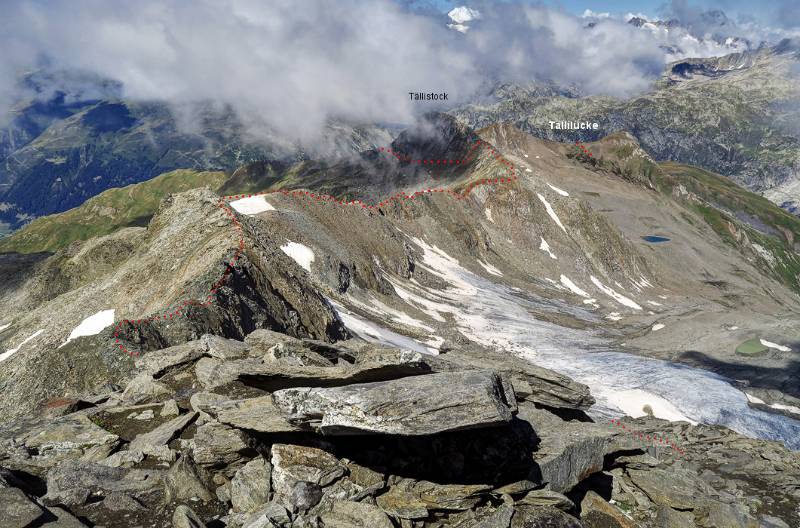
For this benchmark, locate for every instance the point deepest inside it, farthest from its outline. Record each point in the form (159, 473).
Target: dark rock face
(414, 454)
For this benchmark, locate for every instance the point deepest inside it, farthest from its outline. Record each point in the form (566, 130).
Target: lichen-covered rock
(418, 405)
(219, 447)
(595, 512)
(17, 510)
(251, 486)
(355, 515)
(409, 499)
(292, 464)
(72, 482)
(185, 517)
(183, 482)
(161, 435)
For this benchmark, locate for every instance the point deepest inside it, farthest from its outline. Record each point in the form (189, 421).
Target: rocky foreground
(281, 432)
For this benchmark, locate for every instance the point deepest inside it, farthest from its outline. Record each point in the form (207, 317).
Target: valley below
(555, 288)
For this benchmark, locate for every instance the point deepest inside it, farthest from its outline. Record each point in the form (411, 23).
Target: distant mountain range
(736, 115)
(60, 148)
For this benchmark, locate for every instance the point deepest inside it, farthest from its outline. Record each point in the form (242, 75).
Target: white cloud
(588, 13)
(288, 71)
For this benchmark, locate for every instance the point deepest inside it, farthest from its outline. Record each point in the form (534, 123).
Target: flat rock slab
(71, 433)
(549, 388)
(17, 510)
(161, 435)
(275, 375)
(255, 414)
(355, 515)
(417, 405)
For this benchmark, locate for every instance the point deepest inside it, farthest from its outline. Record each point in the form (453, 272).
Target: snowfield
(632, 402)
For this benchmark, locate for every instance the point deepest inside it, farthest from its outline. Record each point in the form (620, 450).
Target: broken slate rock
(184, 517)
(355, 515)
(160, 436)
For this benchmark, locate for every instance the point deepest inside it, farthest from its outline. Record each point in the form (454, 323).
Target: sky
(289, 71)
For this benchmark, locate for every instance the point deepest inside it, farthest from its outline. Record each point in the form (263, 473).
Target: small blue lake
(655, 239)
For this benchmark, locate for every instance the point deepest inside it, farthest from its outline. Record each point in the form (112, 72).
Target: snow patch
(435, 342)
(491, 269)
(765, 254)
(528, 170)
(397, 316)
(657, 327)
(460, 15)
(614, 295)
(10, 352)
(369, 331)
(632, 402)
(300, 253)
(252, 205)
(754, 399)
(92, 325)
(571, 286)
(3, 327)
(790, 408)
(654, 303)
(551, 212)
(776, 346)
(559, 191)
(488, 213)
(544, 246)
(614, 316)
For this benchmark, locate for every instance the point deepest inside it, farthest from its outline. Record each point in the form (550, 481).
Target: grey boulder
(417, 405)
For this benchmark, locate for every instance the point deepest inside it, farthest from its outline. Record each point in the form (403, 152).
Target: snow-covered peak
(460, 16)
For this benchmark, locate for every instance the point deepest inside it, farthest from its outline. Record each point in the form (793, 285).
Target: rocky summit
(427, 442)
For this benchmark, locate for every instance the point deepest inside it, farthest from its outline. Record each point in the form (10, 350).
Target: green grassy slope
(753, 224)
(106, 212)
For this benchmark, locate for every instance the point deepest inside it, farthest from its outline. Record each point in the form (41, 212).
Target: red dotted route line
(583, 148)
(649, 438)
(311, 197)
